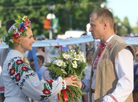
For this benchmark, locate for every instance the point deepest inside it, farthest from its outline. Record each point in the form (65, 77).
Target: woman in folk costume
(20, 80)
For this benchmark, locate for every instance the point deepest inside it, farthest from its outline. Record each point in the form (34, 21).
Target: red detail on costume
(101, 48)
(49, 81)
(58, 96)
(2, 89)
(104, 56)
(18, 62)
(17, 77)
(62, 82)
(29, 74)
(108, 46)
(113, 98)
(24, 69)
(9, 64)
(12, 71)
(46, 92)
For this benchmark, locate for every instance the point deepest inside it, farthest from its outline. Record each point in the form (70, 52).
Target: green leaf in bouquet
(56, 71)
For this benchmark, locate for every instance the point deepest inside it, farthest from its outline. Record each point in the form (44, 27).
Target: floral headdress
(17, 30)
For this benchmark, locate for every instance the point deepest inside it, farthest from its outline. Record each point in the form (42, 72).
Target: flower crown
(17, 30)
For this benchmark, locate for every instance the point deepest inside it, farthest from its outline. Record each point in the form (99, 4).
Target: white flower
(59, 63)
(63, 71)
(63, 64)
(14, 27)
(66, 56)
(75, 62)
(23, 19)
(84, 60)
(11, 40)
(77, 57)
(74, 65)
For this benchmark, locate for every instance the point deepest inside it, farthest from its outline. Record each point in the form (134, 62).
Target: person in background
(136, 59)
(113, 67)
(87, 71)
(20, 81)
(115, 28)
(3, 54)
(135, 91)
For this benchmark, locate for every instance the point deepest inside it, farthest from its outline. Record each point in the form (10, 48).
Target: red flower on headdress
(24, 68)
(17, 77)
(27, 19)
(46, 92)
(26, 24)
(15, 40)
(16, 35)
(21, 30)
(12, 71)
(18, 62)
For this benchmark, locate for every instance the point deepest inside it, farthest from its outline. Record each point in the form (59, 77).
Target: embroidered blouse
(21, 81)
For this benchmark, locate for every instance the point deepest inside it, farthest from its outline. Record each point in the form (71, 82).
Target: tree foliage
(71, 13)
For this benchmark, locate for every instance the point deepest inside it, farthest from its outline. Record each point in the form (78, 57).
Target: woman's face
(27, 42)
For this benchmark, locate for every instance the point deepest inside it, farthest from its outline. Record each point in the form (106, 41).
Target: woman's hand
(70, 81)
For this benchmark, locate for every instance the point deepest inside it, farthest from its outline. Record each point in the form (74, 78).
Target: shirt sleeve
(125, 73)
(29, 83)
(85, 85)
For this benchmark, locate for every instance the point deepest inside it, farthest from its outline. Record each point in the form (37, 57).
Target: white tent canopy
(69, 41)
(42, 43)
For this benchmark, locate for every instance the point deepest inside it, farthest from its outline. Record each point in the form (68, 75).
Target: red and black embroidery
(19, 62)
(12, 71)
(9, 64)
(49, 81)
(24, 68)
(46, 92)
(17, 77)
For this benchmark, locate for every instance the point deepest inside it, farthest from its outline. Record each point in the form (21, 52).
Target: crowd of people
(110, 75)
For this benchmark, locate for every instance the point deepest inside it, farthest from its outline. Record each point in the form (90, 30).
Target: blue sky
(123, 8)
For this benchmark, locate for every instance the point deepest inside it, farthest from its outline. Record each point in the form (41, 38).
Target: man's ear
(105, 24)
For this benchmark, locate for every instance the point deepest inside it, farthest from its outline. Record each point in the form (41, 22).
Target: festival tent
(59, 42)
(69, 41)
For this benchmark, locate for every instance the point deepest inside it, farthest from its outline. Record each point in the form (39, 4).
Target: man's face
(96, 27)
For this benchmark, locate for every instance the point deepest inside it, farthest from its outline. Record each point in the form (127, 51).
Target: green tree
(71, 13)
(127, 26)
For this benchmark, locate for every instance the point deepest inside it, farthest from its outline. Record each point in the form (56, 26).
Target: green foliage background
(72, 14)
(36, 10)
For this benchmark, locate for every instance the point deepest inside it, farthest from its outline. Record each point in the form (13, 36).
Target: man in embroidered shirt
(112, 72)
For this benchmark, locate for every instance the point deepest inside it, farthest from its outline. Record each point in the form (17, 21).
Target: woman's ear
(19, 42)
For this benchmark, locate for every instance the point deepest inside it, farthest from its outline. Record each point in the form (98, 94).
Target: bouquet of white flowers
(67, 64)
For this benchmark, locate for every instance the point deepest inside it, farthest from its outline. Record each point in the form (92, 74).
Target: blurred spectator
(115, 28)
(87, 71)
(135, 91)
(136, 59)
(40, 50)
(3, 54)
